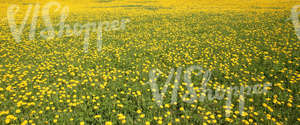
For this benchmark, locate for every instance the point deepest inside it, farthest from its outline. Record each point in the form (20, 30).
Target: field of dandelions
(242, 43)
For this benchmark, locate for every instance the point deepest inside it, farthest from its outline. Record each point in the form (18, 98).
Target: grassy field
(242, 43)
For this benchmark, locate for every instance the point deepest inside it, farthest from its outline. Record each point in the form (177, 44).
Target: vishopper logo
(205, 93)
(295, 19)
(49, 32)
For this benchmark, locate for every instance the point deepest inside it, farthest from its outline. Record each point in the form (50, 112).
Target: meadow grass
(243, 43)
